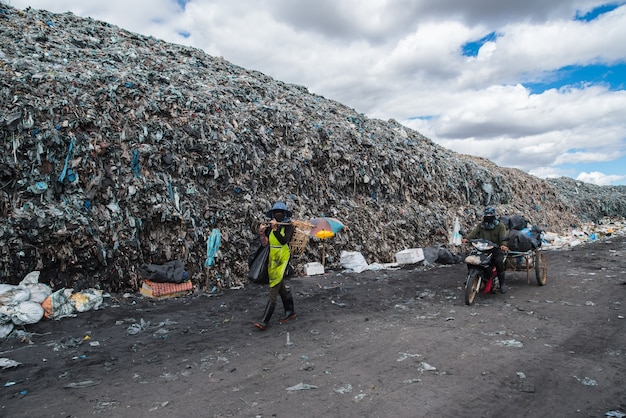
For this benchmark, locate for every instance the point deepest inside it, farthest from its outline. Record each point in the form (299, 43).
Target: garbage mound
(121, 150)
(591, 202)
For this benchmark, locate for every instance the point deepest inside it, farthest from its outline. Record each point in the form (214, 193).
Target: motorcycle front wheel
(472, 287)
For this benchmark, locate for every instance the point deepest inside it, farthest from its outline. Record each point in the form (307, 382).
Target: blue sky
(538, 86)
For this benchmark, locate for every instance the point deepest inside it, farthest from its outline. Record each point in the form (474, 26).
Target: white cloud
(598, 178)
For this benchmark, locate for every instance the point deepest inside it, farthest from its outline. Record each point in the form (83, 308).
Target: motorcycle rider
(493, 230)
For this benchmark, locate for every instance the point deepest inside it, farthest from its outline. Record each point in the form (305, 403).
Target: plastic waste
(147, 164)
(456, 235)
(353, 260)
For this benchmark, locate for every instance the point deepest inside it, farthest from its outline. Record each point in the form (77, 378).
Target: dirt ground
(374, 344)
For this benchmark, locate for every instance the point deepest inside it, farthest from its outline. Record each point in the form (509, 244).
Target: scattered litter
(6, 363)
(404, 356)
(313, 269)
(360, 397)
(509, 343)
(344, 389)
(136, 328)
(425, 367)
(159, 406)
(524, 385)
(587, 381)
(301, 386)
(410, 256)
(82, 384)
(162, 333)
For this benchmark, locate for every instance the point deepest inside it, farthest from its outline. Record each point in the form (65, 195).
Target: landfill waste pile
(591, 200)
(121, 150)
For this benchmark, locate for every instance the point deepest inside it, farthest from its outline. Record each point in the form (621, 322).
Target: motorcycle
(482, 276)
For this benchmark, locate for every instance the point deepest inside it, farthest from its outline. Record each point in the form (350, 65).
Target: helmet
(280, 206)
(489, 211)
(489, 218)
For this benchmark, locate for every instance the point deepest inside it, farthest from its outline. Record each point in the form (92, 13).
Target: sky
(535, 85)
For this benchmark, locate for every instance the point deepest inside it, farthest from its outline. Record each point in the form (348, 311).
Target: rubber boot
(503, 287)
(267, 315)
(290, 312)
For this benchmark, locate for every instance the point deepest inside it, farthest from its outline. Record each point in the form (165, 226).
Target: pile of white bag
(30, 301)
(21, 304)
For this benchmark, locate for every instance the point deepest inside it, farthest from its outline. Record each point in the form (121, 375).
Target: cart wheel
(541, 268)
(471, 288)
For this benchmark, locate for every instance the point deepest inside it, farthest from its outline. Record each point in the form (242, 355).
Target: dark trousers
(497, 258)
(280, 289)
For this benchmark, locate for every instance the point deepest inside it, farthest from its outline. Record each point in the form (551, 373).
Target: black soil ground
(388, 343)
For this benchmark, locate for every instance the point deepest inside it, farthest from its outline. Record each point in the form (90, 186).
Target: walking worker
(493, 230)
(277, 236)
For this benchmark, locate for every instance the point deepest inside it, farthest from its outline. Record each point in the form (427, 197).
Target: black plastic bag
(516, 222)
(431, 254)
(258, 267)
(253, 249)
(521, 241)
(170, 272)
(445, 256)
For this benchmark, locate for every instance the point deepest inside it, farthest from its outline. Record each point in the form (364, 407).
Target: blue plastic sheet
(212, 246)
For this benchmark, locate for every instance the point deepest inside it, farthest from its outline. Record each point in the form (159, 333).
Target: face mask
(489, 222)
(279, 215)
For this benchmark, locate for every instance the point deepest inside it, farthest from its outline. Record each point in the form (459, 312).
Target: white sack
(23, 313)
(353, 260)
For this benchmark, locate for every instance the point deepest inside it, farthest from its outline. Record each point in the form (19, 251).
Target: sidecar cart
(527, 261)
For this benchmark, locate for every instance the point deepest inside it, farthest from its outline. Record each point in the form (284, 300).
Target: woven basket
(300, 237)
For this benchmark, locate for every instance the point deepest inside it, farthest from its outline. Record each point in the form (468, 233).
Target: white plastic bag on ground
(30, 278)
(550, 236)
(87, 300)
(38, 291)
(353, 260)
(23, 313)
(5, 288)
(12, 295)
(6, 363)
(58, 304)
(6, 329)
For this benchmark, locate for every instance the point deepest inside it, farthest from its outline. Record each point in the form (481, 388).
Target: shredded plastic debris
(121, 150)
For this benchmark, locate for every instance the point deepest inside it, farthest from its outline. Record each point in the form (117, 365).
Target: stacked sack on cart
(522, 236)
